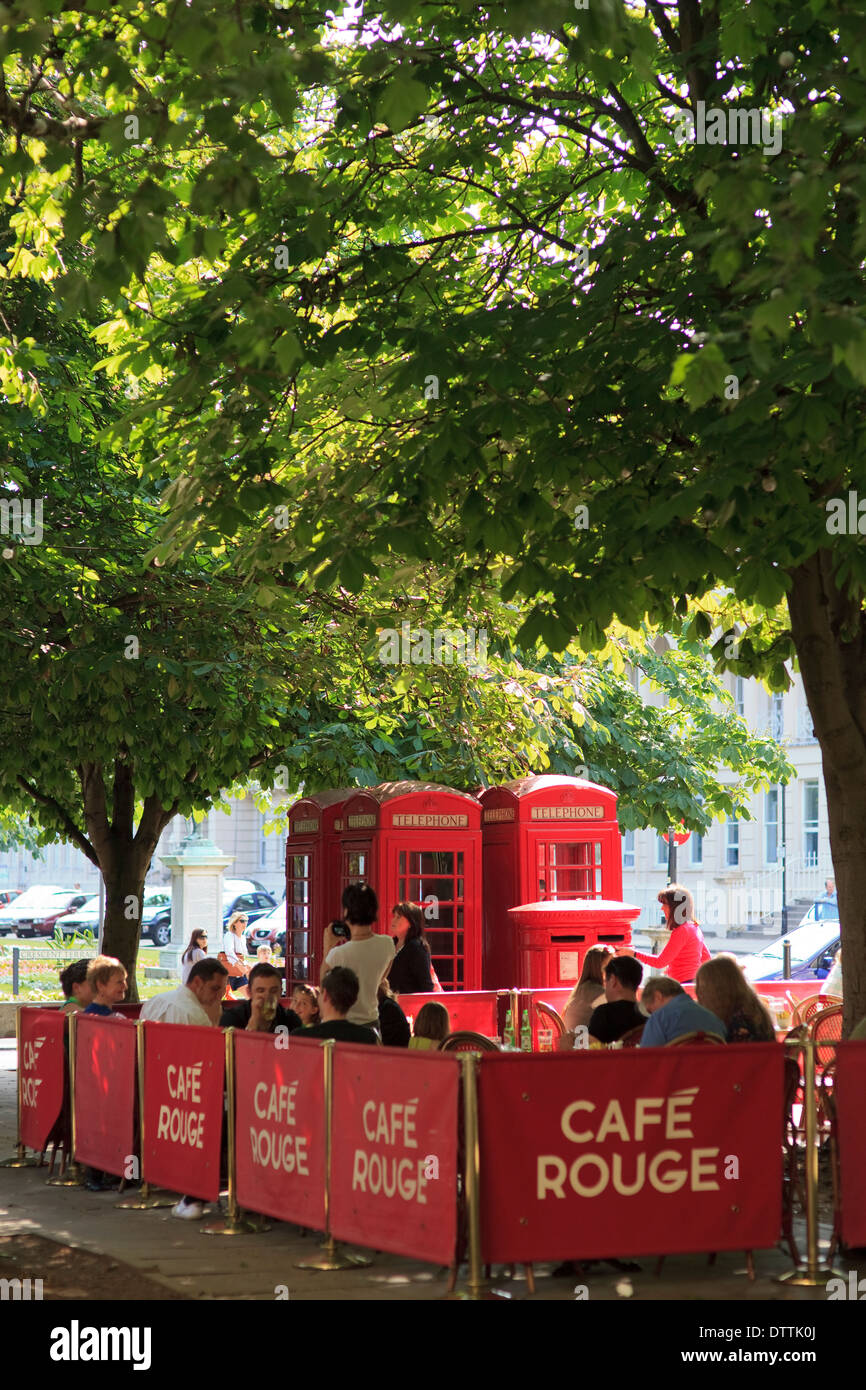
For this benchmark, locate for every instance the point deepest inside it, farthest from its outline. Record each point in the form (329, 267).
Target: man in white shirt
(368, 953)
(193, 1002)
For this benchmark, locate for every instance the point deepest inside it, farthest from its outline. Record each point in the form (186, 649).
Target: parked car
(155, 917)
(825, 910)
(812, 950)
(38, 908)
(254, 904)
(269, 930)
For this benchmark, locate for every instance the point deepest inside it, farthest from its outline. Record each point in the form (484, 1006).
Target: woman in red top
(686, 948)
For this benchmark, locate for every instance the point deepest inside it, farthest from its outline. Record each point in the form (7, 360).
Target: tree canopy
(453, 286)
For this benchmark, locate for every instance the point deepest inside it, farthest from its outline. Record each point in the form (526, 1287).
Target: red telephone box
(421, 843)
(312, 880)
(546, 838)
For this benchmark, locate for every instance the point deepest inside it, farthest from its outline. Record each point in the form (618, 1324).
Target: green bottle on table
(525, 1032)
(508, 1036)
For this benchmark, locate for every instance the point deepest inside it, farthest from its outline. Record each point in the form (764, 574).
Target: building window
(263, 842)
(732, 846)
(740, 696)
(810, 823)
(771, 826)
(777, 717)
(661, 852)
(628, 849)
(696, 850)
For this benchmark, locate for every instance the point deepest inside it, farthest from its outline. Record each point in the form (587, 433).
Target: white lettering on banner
(591, 1174)
(181, 1126)
(276, 1148)
(184, 1083)
(30, 1085)
(393, 1125)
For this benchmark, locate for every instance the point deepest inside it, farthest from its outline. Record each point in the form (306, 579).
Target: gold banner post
(332, 1258)
(143, 1200)
(816, 1271)
(235, 1222)
(476, 1289)
(20, 1160)
(73, 1174)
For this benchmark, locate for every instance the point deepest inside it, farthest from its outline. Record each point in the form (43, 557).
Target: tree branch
(74, 834)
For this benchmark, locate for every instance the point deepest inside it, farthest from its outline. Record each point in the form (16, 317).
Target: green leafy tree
(433, 289)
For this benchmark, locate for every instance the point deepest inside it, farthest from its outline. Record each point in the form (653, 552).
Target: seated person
(432, 1027)
(721, 987)
(76, 990)
(107, 979)
(305, 1002)
(673, 1013)
(609, 1021)
(338, 993)
(194, 1001)
(393, 1023)
(588, 991)
(262, 1012)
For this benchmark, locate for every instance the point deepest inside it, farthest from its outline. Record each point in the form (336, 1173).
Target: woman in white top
(232, 954)
(195, 951)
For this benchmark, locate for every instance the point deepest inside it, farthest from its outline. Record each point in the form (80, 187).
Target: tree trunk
(122, 857)
(830, 637)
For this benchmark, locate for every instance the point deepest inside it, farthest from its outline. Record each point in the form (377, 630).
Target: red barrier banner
(635, 1152)
(474, 1010)
(184, 1070)
(104, 1092)
(849, 1090)
(42, 1070)
(280, 1127)
(394, 1165)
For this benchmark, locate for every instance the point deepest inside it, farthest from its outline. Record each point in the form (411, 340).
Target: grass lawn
(38, 984)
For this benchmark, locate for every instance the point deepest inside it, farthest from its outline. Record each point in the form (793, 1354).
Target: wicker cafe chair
(633, 1036)
(698, 1038)
(791, 1185)
(467, 1041)
(827, 1110)
(826, 1028)
(549, 1014)
(806, 1009)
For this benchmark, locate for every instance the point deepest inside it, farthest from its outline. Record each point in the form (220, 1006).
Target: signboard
(567, 813)
(637, 1152)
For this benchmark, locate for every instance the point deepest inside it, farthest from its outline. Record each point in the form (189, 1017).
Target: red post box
(545, 838)
(553, 937)
(312, 880)
(421, 843)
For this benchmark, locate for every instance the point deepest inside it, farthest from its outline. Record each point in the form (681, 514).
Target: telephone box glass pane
(298, 918)
(434, 880)
(569, 870)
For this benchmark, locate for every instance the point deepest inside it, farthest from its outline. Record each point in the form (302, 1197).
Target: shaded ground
(70, 1273)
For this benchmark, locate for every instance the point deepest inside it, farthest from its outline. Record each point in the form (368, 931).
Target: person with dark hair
(620, 1013)
(369, 954)
(588, 990)
(393, 1023)
(262, 1012)
(190, 1003)
(410, 973)
(432, 1027)
(686, 949)
(195, 951)
(338, 993)
(77, 991)
(673, 1013)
